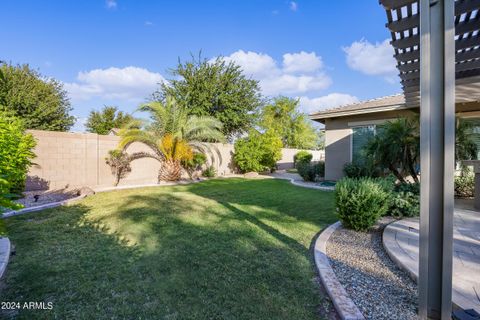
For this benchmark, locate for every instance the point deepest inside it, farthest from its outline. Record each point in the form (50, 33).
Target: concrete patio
(401, 240)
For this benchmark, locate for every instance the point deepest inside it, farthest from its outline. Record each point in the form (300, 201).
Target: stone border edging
(5, 249)
(394, 251)
(299, 184)
(345, 307)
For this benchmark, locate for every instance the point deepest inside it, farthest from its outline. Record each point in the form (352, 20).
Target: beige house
(348, 127)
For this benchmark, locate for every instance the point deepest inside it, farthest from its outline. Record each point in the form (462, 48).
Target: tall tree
(40, 102)
(293, 127)
(172, 135)
(215, 88)
(101, 122)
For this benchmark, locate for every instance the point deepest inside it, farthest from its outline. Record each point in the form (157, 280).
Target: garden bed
(375, 284)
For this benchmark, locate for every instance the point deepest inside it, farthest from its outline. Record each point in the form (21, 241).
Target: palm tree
(172, 135)
(397, 147)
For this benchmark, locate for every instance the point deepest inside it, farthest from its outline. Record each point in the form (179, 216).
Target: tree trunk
(396, 173)
(170, 170)
(411, 168)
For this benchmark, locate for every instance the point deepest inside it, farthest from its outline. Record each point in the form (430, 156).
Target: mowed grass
(221, 249)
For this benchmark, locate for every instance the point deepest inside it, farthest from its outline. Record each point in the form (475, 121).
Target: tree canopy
(295, 130)
(40, 102)
(215, 88)
(101, 122)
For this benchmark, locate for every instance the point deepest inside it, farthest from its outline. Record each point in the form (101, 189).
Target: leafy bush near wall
(6, 197)
(363, 168)
(302, 157)
(210, 172)
(465, 184)
(404, 204)
(360, 202)
(194, 164)
(311, 172)
(15, 152)
(119, 162)
(258, 152)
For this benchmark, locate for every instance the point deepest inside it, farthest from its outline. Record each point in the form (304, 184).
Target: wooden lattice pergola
(403, 20)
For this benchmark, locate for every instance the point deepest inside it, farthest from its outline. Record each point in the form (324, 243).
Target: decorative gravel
(48, 196)
(377, 286)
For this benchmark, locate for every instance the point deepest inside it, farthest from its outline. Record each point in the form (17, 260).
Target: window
(360, 136)
(473, 132)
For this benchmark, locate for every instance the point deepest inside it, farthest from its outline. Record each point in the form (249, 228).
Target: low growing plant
(404, 204)
(119, 162)
(361, 202)
(361, 168)
(465, 183)
(210, 172)
(311, 172)
(194, 164)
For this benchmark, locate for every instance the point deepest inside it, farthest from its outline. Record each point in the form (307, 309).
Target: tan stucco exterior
(338, 138)
(338, 133)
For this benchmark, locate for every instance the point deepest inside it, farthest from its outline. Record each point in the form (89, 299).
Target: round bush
(302, 157)
(361, 202)
(310, 172)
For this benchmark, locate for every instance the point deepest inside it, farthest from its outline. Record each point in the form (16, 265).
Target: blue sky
(326, 53)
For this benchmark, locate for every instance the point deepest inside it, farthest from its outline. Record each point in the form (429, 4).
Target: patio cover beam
(437, 143)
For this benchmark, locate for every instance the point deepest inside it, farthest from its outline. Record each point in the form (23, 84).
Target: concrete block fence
(71, 160)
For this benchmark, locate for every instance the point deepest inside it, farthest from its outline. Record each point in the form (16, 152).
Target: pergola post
(437, 143)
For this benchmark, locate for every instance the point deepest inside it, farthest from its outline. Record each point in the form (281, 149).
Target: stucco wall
(338, 138)
(78, 159)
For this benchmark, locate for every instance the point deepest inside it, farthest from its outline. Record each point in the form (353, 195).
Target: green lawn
(221, 249)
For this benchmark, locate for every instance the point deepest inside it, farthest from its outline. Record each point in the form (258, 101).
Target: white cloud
(372, 59)
(111, 4)
(148, 23)
(310, 105)
(300, 72)
(302, 62)
(293, 6)
(129, 83)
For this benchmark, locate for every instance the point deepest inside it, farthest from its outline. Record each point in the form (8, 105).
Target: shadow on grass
(227, 249)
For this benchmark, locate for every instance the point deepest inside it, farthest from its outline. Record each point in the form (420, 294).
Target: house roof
(388, 103)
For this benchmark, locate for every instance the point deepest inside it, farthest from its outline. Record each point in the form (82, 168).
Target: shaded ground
(221, 249)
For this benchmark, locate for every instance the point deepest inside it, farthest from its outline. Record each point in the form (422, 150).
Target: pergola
(404, 24)
(437, 48)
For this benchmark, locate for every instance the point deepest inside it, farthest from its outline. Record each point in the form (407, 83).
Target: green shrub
(361, 202)
(119, 162)
(194, 164)
(210, 172)
(310, 172)
(404, 204)
(6, 198)
(361, 168)
(15, 152)
(258, 152)
(465, 183)
(408, 187)
(302, 157)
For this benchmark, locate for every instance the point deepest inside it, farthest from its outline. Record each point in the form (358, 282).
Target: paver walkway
(401, 240)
